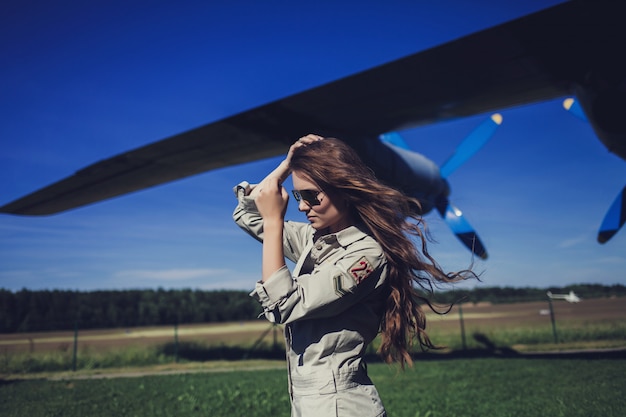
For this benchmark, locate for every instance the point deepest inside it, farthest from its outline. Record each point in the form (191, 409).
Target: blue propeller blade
(394, 139)
(614, 219)
(471, 144)
(461, 228)
(574, 108)
(616, 216)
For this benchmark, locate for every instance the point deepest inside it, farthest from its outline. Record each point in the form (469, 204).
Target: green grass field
(135, 372)
(529, 386)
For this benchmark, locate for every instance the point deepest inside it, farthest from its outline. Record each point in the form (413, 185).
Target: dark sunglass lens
(310, 196)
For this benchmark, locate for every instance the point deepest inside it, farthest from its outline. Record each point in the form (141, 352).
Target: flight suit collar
(345, 237)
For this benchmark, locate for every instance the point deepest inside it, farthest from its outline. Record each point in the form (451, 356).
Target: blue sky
(82, 81)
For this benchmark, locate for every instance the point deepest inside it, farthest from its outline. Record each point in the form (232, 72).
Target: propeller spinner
(452, 216)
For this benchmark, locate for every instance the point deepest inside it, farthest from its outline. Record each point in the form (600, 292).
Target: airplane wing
(541, 56)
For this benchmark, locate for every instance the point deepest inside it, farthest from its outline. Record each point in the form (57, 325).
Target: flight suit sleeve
(246, 214)
(248, 218)
(327, 291)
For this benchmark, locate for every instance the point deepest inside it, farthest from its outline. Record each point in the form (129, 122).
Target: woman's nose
(303, 205)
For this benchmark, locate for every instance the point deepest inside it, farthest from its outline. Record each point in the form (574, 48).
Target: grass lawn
(522, 386)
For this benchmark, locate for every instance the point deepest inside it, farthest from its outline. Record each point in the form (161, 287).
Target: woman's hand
(283, 170)
(303, 141)
(271, 199)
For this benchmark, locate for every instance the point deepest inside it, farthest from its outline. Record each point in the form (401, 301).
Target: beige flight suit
(331, 308)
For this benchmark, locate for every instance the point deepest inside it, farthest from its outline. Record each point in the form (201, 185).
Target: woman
(355, 271)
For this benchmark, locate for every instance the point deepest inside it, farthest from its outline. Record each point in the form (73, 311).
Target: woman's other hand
(303, 141)
(271, 199)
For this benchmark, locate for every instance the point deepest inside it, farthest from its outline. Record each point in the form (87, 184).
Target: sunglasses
(309, 196)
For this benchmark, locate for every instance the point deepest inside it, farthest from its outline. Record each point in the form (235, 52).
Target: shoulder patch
(339, 290)
(360, 270)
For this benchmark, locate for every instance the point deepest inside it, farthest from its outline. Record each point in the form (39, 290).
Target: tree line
(48, 310)
(42, 310)
(497, 295)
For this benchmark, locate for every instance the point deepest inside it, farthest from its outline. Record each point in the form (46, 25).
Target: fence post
(75, 346)
(556, 339)
(176, 342)
(462, 327)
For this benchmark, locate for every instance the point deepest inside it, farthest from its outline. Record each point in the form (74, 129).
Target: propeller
(471, 144)
(616, 216)
(574, 108)
(452, 216)
(461, 228)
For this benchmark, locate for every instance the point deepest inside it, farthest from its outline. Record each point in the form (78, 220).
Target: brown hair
(392, 219)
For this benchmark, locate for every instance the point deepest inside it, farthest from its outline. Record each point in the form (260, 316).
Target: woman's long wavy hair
(393, 220)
